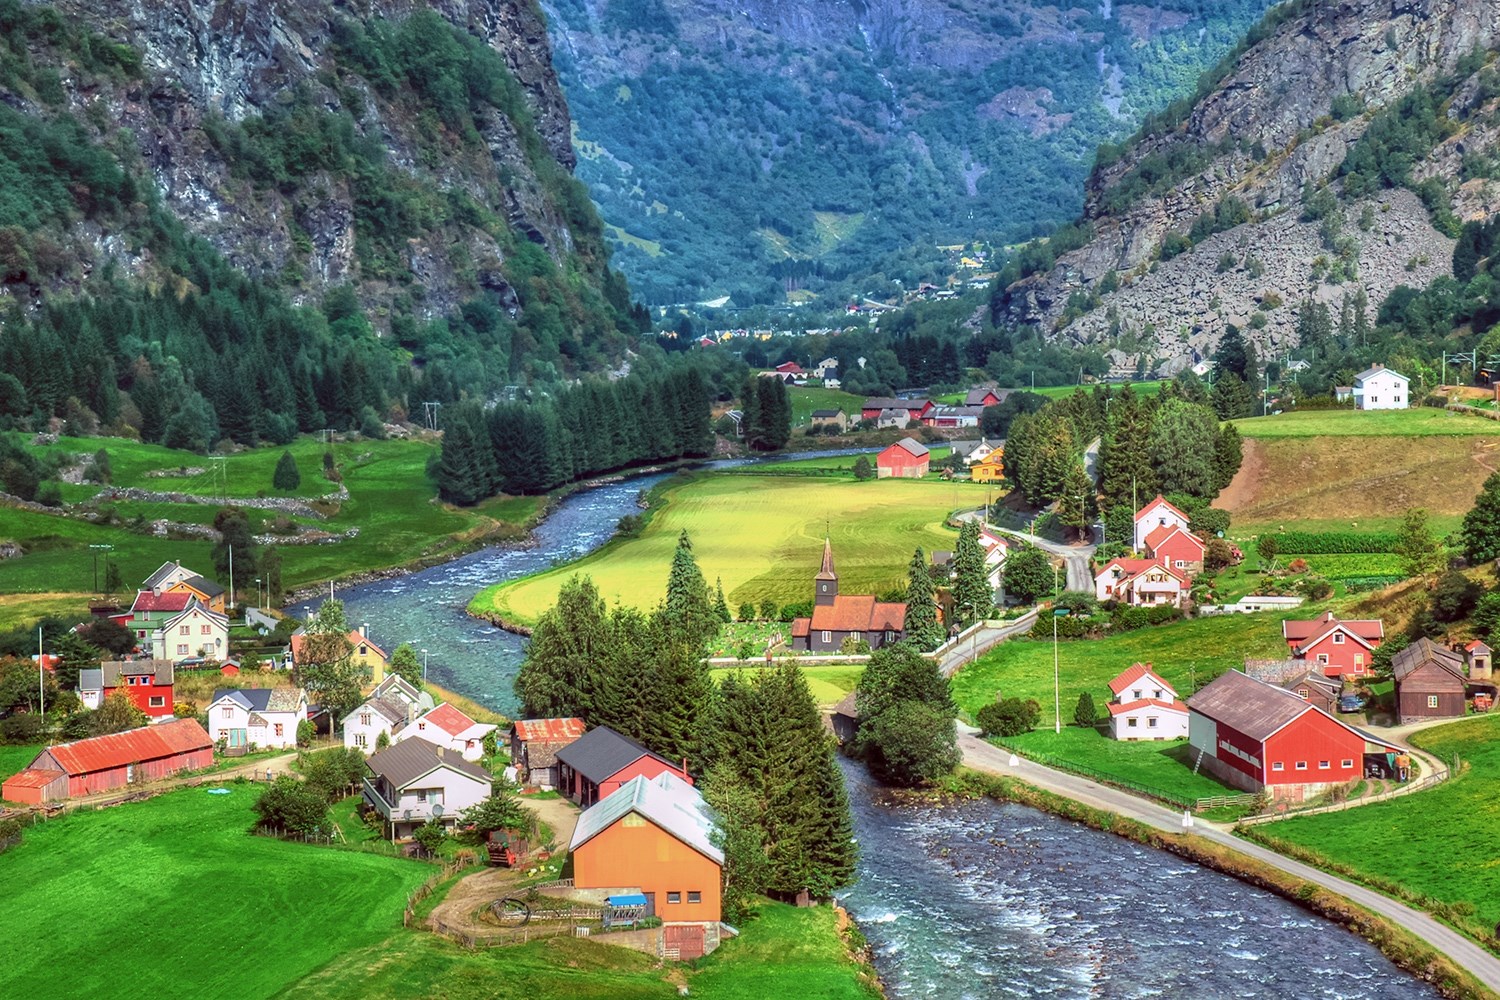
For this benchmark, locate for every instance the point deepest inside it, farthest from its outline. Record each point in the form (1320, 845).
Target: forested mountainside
(749, 147)
(252, 217)
(1334, 159)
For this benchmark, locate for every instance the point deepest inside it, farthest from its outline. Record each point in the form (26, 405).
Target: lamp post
(1056, 687)
(259, 601)
(424, 666)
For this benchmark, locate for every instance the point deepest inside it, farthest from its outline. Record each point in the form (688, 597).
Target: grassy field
(828, 683)
(784, 952)
(14, 759)
(172, 898)
(23, 609)
(807, 398)
(1165, 768)
(1436, 843)
(391, 502)
(935, 455)
(1201, 647)
(763, 537)
(1420, 421)
(1062, 391)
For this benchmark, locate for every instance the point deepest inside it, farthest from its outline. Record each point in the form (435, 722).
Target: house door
(683, 942)
(236, 737)
(650, 904)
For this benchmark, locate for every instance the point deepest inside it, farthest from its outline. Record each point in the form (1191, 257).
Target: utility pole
(424, 666)
(96, 550)
(1056, 686)
(231, 573)
(41, 683)
(430, 415)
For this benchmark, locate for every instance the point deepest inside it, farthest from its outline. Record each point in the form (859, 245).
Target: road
(983, 641)
(1468, 954)
(1075, 557)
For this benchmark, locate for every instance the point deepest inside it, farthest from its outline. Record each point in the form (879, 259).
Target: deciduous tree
(1420, 550)
(1481, 527)
(1028, 573)
(404, 664)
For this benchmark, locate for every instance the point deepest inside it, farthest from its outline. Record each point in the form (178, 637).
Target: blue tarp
(630, 899)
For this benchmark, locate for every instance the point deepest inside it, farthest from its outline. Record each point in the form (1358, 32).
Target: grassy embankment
(842, 463)
(1434, 848)
(762, 536)
(807, 398)
(391, 502)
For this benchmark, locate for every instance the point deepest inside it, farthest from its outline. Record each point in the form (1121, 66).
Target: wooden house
(835, 417)
(257, 717)
(103, 763)
(446, 726)
(1304, 680)
(204, 591)
(990, 469)
(414, 781)
(534, 744)
(1339, 647)
(1140, 583)
(844, 719)
(149, 683)
(906, 459)
(837, 617)
(1158, 513)
(598, 763)
(1431, 682)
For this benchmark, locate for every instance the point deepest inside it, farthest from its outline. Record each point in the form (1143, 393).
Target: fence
(424, 890)
(1413, 786)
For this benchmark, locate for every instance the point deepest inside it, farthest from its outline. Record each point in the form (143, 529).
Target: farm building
(835, 417)
(599, 762)
(655, 836)
(149, 684)
(1299, 677)
(1253, 735)
(1340, 647)
(837, 617)
(844, 719)
(953, 416)
(985, 397)
(107, 762)
(1145, 707)
(906, 459)
(1431, 682)
(913, 409)
(534, 744)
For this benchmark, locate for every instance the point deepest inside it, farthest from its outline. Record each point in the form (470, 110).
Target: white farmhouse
(258, 717)
(196, 631)
(414, 781)
(363, 726)
(447, 727)
(1380, 388)
(1145, 707)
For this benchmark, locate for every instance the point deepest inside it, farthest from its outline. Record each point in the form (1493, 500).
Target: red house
(1340, 647)
(601, 760)
(1253, 735)
(906, 459)
(790, 368)
(983, 397)
(105, 762)
(1173, 545)
(148, 682)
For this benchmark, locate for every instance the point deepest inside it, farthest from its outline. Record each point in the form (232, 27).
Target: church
(837, 617)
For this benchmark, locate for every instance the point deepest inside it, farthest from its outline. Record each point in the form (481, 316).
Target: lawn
(1437, 843)
(828, 683)
(1164, 769)
(172, 898)
(1200, 648)
(784, 952)
(17, 610)
(763, 537)
(15, 759)
(1063, 391)
(807, 398)
(1417, 422)
(935, 455)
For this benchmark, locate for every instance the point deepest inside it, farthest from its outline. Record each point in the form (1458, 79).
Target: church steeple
(827, 581)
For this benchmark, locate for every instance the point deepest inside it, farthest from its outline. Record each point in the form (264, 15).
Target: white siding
(365, 734)
(1203, 734)
(1385, 390)
(1169, 725)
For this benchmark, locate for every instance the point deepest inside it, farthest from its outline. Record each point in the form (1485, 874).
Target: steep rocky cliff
(1277, 135)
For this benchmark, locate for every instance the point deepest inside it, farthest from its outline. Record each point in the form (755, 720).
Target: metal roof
(133, 746)
(1425, 651)
(203, 586)
(276, 699)
(667, 802)
(149, 601)
(405, 762)
(1378, 370)
(549, 730)
(1253, 707)
(911, 446)
(33, 777)
(602, 752)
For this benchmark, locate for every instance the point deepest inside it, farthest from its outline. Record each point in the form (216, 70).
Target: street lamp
(1056, 687)
(259, 601)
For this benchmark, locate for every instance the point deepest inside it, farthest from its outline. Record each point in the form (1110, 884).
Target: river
(974, 900)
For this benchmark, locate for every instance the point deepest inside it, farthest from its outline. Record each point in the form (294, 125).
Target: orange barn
(653, 835)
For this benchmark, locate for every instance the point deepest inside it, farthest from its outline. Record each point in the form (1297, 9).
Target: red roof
(1135, 673)
(449, 719)
(33, 777)
(1367, 630)
(550, 730)
(130, 747)
(1160, 501)
(1476, 644)
(147, 601)
(355, 637)
(790, 366)
(858, 613)
(1116, 708)
(1134, 567)
(1165, 531)
(801, 628)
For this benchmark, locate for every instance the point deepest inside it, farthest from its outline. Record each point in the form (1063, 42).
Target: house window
(183, 630)
(1432, 701)
(364, 718)
(1151, 722)
(1156, 694)
(361, 741)
(182, 649)
(694, 896)
(205, 630)
(1347, 763)
(827, 636)
(890, 636)
(1278, 766)
(157, 701)
(674, 897)
(1135, 695)
(1323, 658)
(363, 650)
(1323, 765)
(1338, 638)
(422, 795)
(279, 729)
(1130, 723)
(1180, 564)
(1302, 693)
(1359, 661)
(1302, 765)
(141, 634)
(226, 712)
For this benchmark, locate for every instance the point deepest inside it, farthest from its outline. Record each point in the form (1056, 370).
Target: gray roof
(957, 411)
(1425, 651)
(1253, 707)
(942, 557)
(892, 403)
(826, 413)
(601, 752)
(847, 706)
(1376, 370)
(204, 585)
(667, 802)
(112, 669)
(91, 680)
(276, 699)
(913, 446)
(163, 571)
(975, 397)
(405, 762)
(392, 711)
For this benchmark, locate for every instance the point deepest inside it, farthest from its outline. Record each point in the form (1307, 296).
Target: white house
(1154, 515)
(1139, 583)
(167, 575)
(1380, 388)
(1145, 707)
(396, 688)
(996, 548)
(195, 631)
(363, 726)
(258, 717)
(447, 727)
(413, 781)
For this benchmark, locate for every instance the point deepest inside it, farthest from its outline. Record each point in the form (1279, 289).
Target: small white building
(1380, 388)
(195, 631)
(257, 717)
(1145, 707)
(363, 726)
(447, 727)
(1156, 514)
(413, 781)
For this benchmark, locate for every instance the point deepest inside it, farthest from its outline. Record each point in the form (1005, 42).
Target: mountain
(1335, 157)
(756, 147)
(288, 213)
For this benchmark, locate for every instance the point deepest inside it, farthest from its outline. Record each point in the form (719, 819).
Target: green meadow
(763, 536)
(1417, 422)
(1164, 769)
(807, 398)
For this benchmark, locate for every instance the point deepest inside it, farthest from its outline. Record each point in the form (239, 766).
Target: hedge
(1354, 584)
(1330, 543)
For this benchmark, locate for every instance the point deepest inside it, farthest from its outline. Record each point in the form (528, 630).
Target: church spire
(827, 580)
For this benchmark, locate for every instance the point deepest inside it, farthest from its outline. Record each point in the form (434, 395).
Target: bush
(49, 494)
(289, 806)
(286, 478)
(1078, 602)
(1085, 714)
(305, 733)
(1454, 597)
(747, 612)
(431, 836)
(370, 425)
(20, 729)
(912, 743)
(1008, 717)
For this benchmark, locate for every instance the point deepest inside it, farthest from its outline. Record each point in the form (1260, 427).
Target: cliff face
(222, 81)
(1279, 124)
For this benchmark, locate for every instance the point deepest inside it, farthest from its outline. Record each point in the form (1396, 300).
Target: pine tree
(1228, 454)
(1231, 397)
(972, 597)
(678, 703)
(286, 478)
(1075, 508)
(554, 677)
(689, 608)
(1181, 445)
(923, 629)
(721, 606)
(1085, 714)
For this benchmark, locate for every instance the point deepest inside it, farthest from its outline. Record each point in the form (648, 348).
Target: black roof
(205, 585)
(601, 752)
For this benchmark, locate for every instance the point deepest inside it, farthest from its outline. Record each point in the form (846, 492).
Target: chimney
(364, 631)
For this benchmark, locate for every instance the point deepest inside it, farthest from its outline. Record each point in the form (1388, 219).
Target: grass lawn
(763, 537)
(23, 609)
(785, 952)
(807, 398)
(1437, 843)
(1022, 668)
(1165, 768)
(15, 759)
(1063, 391)
(1417, 422)
(828, 683)
(186, 904)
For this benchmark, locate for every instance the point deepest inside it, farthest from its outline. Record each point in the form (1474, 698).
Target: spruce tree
(690, 609)
(1228, 454)
(554, 677)
(972, 597)
(1181, 445)
(1075, 508)
(720, 605)
(679, 701)
(286, 478)
(922, 626)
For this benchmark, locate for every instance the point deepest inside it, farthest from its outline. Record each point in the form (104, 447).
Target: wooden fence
(424, 890)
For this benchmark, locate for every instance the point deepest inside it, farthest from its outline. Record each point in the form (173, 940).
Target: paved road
(1075, 557)
(983, 641)
(984, 756)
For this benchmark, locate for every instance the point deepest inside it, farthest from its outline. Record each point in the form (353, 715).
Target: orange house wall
(647, 856)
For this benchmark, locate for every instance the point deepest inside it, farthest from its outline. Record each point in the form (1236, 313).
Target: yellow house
(990, 469)
(364, 652)
(208, 593)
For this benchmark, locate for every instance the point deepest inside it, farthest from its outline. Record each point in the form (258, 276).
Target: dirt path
(559, 814)
(470, 894)
(1244, 488)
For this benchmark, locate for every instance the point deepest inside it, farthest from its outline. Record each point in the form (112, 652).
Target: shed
(1431, 682)
(102, 763)
(534, 744)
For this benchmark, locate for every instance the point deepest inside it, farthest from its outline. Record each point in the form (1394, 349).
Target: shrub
(1085, 714)
(769, 611)
(1008, 717)
(288, 805)
(747, 612)
(852, 646)
(431, 836)
(1298, 565)
(286, 478)
(49, 494)
(305, 733)
(20, 729)
(1327, 543)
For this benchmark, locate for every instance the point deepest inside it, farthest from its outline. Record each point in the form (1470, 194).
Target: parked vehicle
(1351, 703)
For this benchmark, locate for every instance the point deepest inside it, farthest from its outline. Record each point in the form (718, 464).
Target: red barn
(906, 459)
(1253, 735)
(1341, 647)
(105, 762)
(597, 763)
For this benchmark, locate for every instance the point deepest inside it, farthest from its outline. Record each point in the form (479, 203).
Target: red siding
(142, 694)
(897, 457)
(646, 767)
(110, 778)
(1237, 739)
(1341, 656)
(1180, 546)
(1310, 738)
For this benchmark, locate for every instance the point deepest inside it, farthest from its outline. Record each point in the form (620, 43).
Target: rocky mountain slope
(1334, 160)
(756, 147)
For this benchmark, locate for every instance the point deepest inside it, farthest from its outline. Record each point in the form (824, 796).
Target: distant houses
(1380, 388)
(1140, 583)
(449, 728)
(834, 417)
(148, 683)
(390, 706)
(256, 717)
